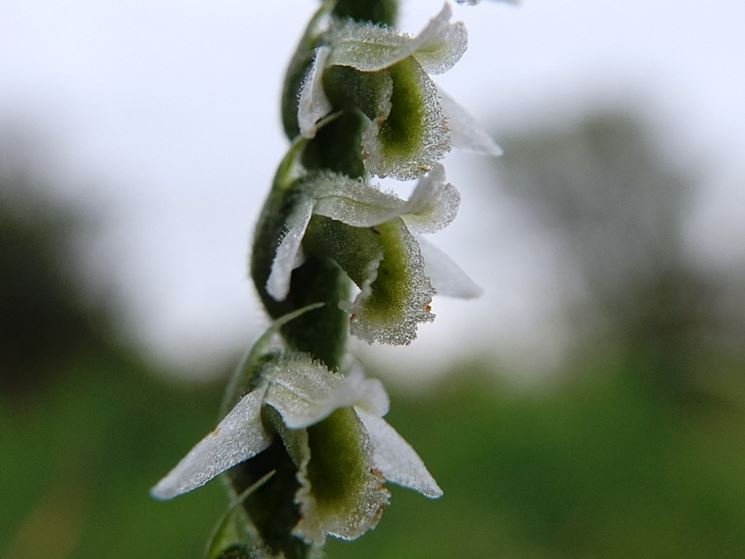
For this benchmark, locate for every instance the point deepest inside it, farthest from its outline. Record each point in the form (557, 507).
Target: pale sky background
(161, 117)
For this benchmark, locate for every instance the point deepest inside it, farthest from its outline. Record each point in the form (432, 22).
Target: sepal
(238, 437)
(465, 131)
(395, 458)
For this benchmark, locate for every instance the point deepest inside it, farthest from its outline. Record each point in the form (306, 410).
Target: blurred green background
(632, 446)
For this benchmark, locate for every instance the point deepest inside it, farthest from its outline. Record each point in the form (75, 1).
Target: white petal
(353, 202)
(288, 251)
(304, 392)
(395, 458)
(313, 104)
(441, 44)
(446, 276)
(238, 437)
(433, 204)
(371, 48)
(465, 131)
(367, 47)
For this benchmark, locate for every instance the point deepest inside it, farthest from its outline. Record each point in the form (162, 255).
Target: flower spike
(303, 440)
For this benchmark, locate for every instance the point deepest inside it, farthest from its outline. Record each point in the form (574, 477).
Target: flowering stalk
(303, 439)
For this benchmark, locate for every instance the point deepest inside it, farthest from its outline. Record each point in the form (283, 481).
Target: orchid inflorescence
(302, 436)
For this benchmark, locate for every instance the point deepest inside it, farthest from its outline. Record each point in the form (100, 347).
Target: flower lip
(313, 104)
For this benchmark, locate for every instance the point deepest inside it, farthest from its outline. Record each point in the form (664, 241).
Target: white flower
(412, 124)
(370, 234)
(332, 427)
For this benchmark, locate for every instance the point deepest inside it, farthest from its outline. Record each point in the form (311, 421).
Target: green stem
(321, 332)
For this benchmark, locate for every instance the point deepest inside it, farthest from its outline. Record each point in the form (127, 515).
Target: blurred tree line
(617, 210)
(85, 426)
(638, 452)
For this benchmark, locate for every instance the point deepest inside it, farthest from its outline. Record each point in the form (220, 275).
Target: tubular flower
(411, 124)
(371, 236)
(333, 429)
